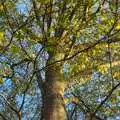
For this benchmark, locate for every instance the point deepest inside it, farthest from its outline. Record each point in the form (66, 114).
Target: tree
(52, 43)
(94, 99)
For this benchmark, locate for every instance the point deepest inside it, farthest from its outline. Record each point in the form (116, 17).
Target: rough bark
(53, 103)
(53, 108)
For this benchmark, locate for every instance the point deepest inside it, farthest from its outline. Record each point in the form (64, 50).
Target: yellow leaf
(112, 21)
(71, 99)
(103, 18)
(1, 7)
(1, 80)
(113, 100)
(118, 25)
(1, 37)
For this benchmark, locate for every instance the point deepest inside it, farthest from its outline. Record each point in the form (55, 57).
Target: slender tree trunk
(53, 108)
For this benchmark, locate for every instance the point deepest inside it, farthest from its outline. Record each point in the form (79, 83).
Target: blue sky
(23, 5)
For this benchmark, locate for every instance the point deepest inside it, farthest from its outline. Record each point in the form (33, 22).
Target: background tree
(48, 45)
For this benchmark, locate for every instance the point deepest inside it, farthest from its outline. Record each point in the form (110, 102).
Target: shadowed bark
(53, 108)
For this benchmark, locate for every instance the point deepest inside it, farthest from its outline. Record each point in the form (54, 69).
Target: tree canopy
(56, 52)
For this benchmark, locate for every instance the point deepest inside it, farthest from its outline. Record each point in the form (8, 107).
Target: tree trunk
(53, 105)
